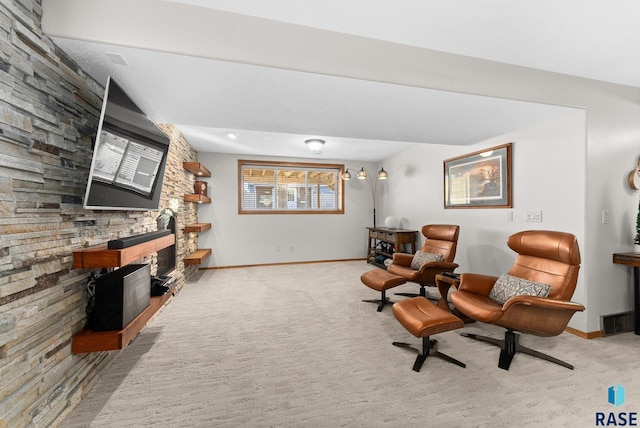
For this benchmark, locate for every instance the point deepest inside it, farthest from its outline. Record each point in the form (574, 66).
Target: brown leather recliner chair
(439, 239)
(544, 257)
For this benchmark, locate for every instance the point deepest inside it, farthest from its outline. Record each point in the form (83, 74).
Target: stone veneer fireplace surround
(48, 120)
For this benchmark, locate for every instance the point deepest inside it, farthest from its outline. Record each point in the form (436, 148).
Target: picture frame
(480, 179)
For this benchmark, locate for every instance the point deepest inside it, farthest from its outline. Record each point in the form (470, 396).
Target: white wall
(540, 169)
(248, 239)
(548, 160)
(611, 151)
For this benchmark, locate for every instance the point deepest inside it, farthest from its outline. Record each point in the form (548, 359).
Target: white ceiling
(273, 110)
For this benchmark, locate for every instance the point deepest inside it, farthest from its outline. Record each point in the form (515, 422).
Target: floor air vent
(618, 323)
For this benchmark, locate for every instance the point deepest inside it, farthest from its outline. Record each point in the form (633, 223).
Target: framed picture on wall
(480, 179)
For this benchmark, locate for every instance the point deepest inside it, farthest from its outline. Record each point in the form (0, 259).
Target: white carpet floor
(294, 346)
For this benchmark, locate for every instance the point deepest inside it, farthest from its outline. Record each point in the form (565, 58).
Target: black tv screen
(129, 157)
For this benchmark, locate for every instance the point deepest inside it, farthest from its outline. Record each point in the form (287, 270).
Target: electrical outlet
(605, 217)
(533, 216)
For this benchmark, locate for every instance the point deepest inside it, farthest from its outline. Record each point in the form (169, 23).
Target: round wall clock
(634, 179)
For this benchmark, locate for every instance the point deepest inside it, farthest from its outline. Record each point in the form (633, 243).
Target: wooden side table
(444, 283)
(632, 259)
(398, 238)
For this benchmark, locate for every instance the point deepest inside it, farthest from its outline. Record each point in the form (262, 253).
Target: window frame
(306, 166)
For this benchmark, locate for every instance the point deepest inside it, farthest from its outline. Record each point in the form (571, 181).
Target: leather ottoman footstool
(381, 280)
(423, 319)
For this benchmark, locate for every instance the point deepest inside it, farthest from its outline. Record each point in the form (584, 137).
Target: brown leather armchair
(439, 239)
(544, 257)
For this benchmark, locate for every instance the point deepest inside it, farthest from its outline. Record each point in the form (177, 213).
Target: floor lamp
(373, 184)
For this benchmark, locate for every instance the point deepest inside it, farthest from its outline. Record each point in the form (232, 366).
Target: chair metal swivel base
(428, 350)
(382, 301)
(510, 346)
(423, 293)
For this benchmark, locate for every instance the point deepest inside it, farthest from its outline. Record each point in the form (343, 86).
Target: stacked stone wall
(49, 112)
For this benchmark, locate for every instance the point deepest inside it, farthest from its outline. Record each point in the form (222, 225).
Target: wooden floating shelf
(196, 227)
(196, 168)
(95, 341)
(630, 258)
(198, 199)
(99, 256)
(197, 257)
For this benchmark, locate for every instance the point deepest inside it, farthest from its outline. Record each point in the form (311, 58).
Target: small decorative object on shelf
(391, 222)
(201, 188)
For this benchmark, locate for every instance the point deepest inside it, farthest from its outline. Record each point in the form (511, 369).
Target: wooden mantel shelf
(95, 341)
(100, 256)
(197, 227)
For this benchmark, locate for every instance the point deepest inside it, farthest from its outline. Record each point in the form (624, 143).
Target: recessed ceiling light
(231, 135)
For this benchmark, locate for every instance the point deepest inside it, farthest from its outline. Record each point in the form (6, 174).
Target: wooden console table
(396, 237)
(633, 260)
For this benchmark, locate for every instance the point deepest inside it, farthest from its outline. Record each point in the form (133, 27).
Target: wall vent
(618, 323)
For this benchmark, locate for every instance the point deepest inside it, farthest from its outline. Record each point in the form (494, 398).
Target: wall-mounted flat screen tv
(129, 157)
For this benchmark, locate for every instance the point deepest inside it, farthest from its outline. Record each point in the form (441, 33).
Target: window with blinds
(282, 187)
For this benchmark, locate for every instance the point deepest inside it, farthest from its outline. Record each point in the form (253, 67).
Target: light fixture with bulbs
(363, 175)
(315, 144)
